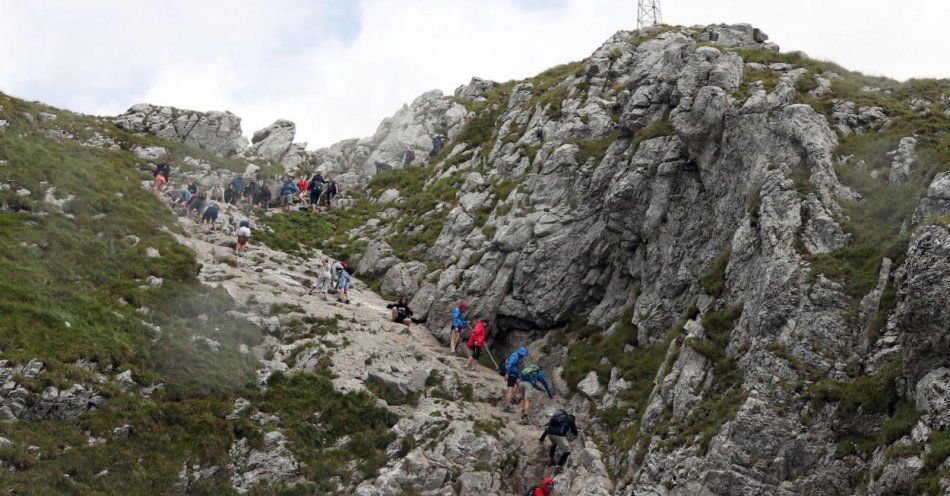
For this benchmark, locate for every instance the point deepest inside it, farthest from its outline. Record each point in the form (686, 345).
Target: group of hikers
(312, 193)
(522, 379)
(333, 278)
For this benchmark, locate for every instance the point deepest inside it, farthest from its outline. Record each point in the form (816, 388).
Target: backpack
(530, 372)
(350, 270)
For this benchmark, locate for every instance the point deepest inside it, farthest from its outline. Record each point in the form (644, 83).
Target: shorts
(400, 317)
(314, 195)
(512, 380)
(209, 216)
(456, 329)
(243, 239)
(526, 390)
(286, 200)
(561, 443)
(343, 285)
(476, 351)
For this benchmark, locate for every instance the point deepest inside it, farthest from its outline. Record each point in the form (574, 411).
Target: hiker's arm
(544, 434)
(574, 428)
(547, 388)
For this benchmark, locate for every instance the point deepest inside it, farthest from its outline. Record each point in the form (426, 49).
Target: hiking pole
(486, 349)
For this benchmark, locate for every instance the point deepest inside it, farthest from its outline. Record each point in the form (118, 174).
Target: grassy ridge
(75, 287)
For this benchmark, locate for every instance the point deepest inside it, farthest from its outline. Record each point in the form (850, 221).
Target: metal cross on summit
(648, 13)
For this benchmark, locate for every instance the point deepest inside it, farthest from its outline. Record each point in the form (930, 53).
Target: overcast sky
(337, 67)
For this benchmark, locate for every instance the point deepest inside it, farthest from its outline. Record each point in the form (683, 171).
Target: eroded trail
(452, 437)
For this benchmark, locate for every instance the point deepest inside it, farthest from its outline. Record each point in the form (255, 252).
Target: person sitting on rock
(546, 488)
(243, 235)
(559, 427)
(475, 343)
(458, 323)
(401, 311)
(530, 379)
(512, 373)
(343, 285)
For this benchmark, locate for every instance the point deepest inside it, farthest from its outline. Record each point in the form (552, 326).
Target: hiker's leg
(563, 460)
(552, 450)
(456, 334)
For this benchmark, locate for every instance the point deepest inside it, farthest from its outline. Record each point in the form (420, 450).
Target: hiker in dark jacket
(316, 189)
(559, 427)
(330, 191)
(401, 311)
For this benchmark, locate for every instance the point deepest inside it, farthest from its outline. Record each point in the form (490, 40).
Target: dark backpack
(530, 491)
(350, 270)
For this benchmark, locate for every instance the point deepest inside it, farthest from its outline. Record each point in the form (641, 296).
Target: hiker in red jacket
(544, 489)
(475, 343)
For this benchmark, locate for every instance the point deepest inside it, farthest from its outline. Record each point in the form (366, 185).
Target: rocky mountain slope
(735, 260)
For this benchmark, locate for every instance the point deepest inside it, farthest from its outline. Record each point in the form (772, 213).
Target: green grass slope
(73, 286)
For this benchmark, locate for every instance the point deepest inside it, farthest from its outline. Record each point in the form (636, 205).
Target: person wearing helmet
(458, 323)
(243, 235)
(559, 427)
(512, 374)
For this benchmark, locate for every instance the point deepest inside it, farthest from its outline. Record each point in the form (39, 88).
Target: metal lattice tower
(648, 13)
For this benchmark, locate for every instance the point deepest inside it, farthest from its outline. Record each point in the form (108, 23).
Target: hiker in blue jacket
(531, 378)
(287, 191)
(513, 374)
(458, 323)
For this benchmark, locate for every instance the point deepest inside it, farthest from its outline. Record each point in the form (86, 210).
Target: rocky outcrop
(406, 138)
(17, 402)
(275, 143)
(218, 132)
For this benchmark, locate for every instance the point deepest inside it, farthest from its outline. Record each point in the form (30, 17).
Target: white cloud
(302, 60)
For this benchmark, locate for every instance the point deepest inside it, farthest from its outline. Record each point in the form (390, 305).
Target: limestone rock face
(218, 132)
(405, 139)
(275, 143)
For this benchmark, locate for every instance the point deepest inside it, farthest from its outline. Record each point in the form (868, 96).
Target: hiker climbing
(343, 284)
(237, 189)
(316, 189)
(210, 216)
(330, 192)
(335, 270)
(323, 280)
(287, 191)
(243, 235)
(530, 379)
(560, 430)
(546, 488)
(512, 372)
(438, 142)
(476, 342)
(302, 187)
(161, 173)
(458, 323)
(408, 157)
(401, 311)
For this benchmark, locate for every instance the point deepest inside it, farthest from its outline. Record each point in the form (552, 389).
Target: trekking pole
(486, 348)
